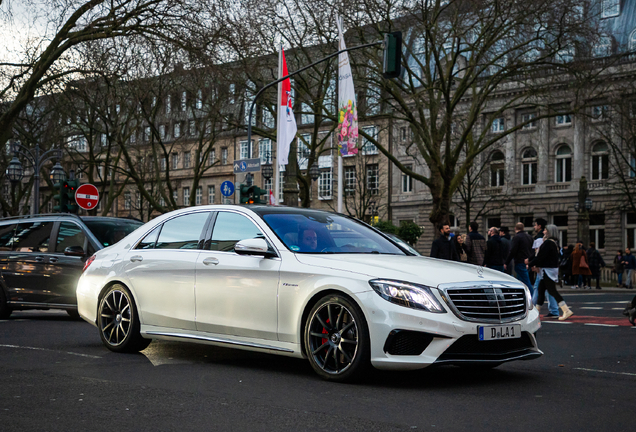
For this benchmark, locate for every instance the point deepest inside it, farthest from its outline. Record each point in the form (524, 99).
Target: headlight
(407, 294)
(529, 299)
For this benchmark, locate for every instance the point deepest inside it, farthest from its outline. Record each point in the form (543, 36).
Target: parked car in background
(42, 257)
(302, 283)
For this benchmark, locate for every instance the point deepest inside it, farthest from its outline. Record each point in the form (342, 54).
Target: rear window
(109, 232)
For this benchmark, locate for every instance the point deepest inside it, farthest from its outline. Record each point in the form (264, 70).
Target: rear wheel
(5, 310)
(337, 339)
(118, 321)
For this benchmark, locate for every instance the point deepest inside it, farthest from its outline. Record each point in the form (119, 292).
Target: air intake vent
(405, 342)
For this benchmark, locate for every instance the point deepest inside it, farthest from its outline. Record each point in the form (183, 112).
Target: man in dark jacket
(475, 245)
(494, 257)
(443, 247)
(595, 261)
(629, 261)
(520, 250)
(506, 243)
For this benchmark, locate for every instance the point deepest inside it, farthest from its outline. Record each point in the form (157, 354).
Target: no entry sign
(87, 196)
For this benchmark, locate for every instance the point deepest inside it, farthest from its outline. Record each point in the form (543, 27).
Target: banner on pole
(347, 109)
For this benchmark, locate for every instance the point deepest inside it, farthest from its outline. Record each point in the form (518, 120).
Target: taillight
(88, 262)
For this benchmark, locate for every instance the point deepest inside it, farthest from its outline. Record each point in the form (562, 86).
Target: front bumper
(446, 339)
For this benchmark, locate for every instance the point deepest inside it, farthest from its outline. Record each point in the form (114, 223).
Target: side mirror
(74, 251)
(254, 246)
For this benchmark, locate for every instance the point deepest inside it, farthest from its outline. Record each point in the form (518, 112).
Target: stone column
(578, 157)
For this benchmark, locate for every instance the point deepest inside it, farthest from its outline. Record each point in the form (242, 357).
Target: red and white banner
(87, 196)
(286, 121)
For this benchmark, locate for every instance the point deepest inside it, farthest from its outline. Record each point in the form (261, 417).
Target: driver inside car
(308, 240)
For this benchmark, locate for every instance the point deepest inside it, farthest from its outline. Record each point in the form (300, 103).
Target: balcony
(525, 189)
(492, 191)
(558, 187)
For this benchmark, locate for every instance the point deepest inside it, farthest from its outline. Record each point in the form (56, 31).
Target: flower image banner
(347, 130)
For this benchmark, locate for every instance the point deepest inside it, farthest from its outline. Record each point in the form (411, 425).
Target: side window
(182, 232)
(69, 235)
(32, 237)
(149, 241)
(230, 228)
(6, 237)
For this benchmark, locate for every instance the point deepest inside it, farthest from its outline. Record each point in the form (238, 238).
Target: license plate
(499, 332)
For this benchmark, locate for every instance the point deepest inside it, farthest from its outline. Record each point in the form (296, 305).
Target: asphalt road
(55, 375)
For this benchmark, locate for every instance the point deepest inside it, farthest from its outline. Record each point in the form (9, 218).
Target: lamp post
(583, 207)
(15, 172)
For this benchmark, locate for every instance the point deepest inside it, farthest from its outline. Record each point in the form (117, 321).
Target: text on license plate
(499, 332)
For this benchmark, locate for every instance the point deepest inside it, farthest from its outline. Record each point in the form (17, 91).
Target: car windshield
(402, 243)
(110, 231)
(317, 232)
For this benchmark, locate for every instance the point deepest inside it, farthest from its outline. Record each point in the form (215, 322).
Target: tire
(118, 321)
(336, 339)
(73, 313)
(5, 310)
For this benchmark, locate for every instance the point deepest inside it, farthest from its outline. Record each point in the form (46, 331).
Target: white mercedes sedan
(302, 283)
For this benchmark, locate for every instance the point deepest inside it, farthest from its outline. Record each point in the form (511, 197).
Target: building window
(265, 151)
(611, 8)
(497, 169)
(177, 130)
(211, 194)
(307, 116)
(563, 120)
(493, 222)
(168, 107)
(246, 150)
(528, 222)
(561, 222)
(212, 157)
(304, 151)
(199, 195)
(127, 201)
(187, 156)
(350, 181)
(632, 41)
(268, 119)
(224, 156)
(529, 167)
(184, 100)
(373, 181)
(162, 131)
(368, 148)
(498, 125)
(630, 230)
(175, 161)
(597, 229)
(186, 196)
(632, 165)
(175, 196)
(324, 185)
(600, 161)
(133, 138)
(199, 103)
(407, 181)
(453, 221)
(267, 185)
(192, 128)
(231, 91)
(162, 164)
(529, 121)
(563, 171)
(599, 112)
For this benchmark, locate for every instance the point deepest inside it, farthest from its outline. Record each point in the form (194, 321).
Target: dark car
(42, 257)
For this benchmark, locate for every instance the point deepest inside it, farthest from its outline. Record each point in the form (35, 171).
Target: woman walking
(580, 265)
(547, 260)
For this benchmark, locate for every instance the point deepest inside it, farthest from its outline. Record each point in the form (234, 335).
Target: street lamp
(57, 173)
(314, 171)
(267, 171)
(37, 160)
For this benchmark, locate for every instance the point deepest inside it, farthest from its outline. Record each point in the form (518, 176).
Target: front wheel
(337, 339)
(118, 322)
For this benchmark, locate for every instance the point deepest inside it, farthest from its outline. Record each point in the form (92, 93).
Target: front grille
(404, 342)
(488, 304)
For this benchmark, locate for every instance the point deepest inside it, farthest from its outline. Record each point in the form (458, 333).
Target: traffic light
(392, 64)
(61, 197)
(70, 188)
(252, 195)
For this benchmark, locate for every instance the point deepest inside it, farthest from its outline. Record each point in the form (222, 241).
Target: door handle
(210, 261)
(136, 258)
(52, 260)
(39, 259)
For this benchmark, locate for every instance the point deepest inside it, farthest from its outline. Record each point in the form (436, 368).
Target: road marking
(618, 308)
(603, 371)
(555, 322)
(601, 325)
(50, 350)
(591, 307)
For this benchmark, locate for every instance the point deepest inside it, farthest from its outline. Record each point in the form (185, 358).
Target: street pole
(583, 218)
(290, 188)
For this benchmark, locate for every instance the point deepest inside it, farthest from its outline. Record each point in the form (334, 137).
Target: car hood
(415, 269)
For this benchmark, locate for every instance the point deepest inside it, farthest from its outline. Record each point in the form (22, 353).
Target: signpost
(227, 188)
(87, 196)
(247, 165)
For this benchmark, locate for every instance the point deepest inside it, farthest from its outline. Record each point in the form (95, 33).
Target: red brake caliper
(324, 331)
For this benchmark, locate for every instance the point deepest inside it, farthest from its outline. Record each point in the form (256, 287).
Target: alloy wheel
(116, 317)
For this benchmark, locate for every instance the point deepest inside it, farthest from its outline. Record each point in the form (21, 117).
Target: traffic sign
(247, 165)
(227, 188)
(87, 196)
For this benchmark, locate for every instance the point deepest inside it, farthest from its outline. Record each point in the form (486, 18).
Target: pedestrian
(458, 240)
(629, 261)
(580, 266)
(547, 260)
(566, 265)
(504, 234)
(443, 247)
(619, 267)
(520, 250)
(596, 262)
(538, 239)
(475, 245)
(494, 257)
(630, 312)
